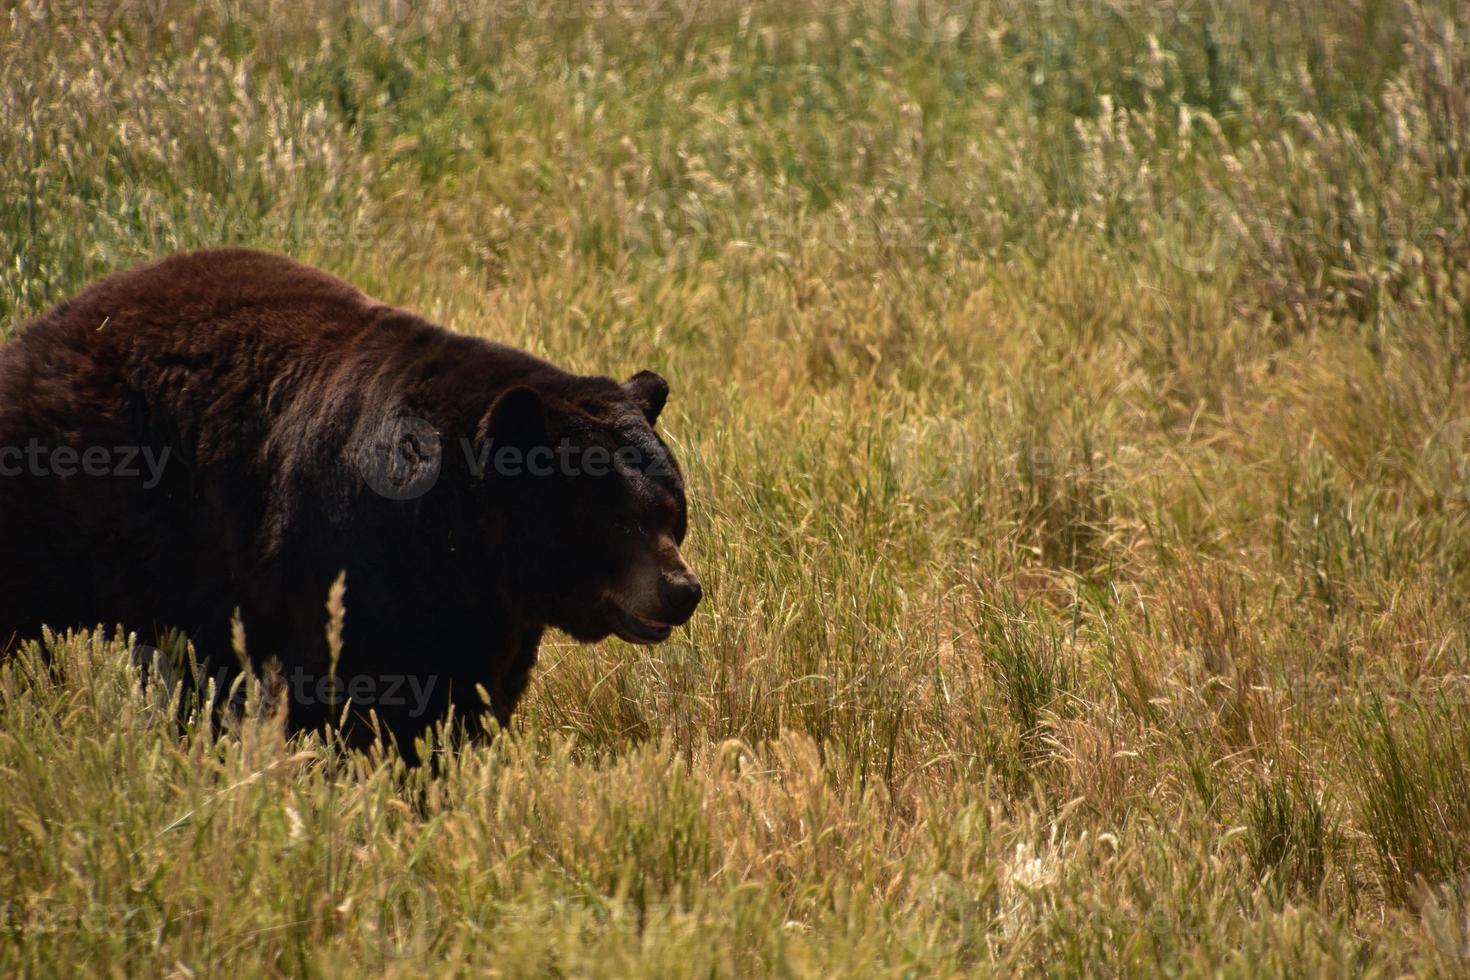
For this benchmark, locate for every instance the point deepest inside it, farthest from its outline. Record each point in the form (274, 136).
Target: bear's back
(212, 365)
(206, 288)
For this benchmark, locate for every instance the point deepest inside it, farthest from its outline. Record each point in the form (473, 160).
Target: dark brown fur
(266, 381)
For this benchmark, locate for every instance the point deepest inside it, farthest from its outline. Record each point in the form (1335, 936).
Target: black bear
(225, 432)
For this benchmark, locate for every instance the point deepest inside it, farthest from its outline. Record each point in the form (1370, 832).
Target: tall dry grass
(1073, 397)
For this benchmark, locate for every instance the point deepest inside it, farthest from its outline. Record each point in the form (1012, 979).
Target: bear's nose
(679, 594)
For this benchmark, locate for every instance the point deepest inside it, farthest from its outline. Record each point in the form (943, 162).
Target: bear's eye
(630, 528)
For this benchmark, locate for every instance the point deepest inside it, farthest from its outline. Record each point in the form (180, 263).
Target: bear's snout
(679, 593)
(655, 594)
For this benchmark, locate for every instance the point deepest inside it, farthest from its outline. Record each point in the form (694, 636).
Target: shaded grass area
(1073, 401)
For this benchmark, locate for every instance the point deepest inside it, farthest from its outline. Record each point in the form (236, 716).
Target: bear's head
(593, 505)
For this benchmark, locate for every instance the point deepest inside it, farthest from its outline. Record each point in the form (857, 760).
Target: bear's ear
(649, 392)
(518, 418)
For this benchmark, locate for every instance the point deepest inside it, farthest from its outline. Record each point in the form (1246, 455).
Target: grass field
(1074, 396)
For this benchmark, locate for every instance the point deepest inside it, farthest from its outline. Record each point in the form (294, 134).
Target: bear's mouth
(636, 629)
